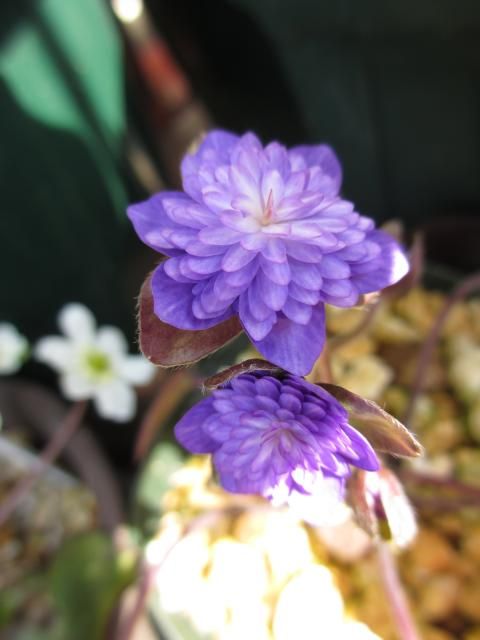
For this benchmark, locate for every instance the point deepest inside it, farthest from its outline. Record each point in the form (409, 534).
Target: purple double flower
(279, 437)
(262, 233)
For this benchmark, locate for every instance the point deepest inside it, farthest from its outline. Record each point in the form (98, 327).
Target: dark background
(394, 87)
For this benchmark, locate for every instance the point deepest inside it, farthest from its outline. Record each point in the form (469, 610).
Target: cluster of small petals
(94, 363)
(278, 438)
(262, 232)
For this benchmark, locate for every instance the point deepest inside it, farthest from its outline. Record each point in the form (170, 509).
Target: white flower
(95, 363)
(13, 349)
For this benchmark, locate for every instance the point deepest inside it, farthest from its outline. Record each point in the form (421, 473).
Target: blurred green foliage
(153, 483)
(63, 120)
(86, 580)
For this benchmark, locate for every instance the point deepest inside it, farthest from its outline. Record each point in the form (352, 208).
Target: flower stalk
(395, 594)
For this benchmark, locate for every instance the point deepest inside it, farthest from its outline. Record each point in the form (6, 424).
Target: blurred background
(100, 99)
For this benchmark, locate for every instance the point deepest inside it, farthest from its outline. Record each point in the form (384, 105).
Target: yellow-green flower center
(97, 364)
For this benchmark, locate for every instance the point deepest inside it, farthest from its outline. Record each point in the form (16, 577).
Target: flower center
(97, 364)
(267, 216)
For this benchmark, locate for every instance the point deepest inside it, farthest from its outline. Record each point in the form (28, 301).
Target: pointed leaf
(385, 433)
(255, 364)
(167, 346)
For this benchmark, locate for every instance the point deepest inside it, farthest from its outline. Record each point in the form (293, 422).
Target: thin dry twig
(167, 399)
(54, 448)
(364, 324)
(465, 288)
(454, 493)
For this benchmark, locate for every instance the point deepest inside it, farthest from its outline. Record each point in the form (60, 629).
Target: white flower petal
(54, 351)
(77, 322)
(13, 347)
(115, 401)
(137, 370)
(112, 341)
(77, 387)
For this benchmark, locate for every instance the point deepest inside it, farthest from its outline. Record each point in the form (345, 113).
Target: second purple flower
(263, 233)
(281, 438)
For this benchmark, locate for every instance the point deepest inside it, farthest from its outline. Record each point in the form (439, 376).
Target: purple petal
(295, 183)
(224, 289)
(243, 182)
(290, 402)
(292, 346)
(332, 267)
(254, 241)
(243, 276)
(258, 309)
(367, 458)
(189, 432)
(297, 311)
(256, 329)
(277, 158)
(219, 235)
(217, 197)
(237, 257)
(278, 272)
(240, 222)
(204, 266)
(175, 268)
(173, 303)
(307, 276)
(267, 387)
(307, 296)
(272, 183)
(274, 250)
(272, 294)
(214, 150)
(340, 293)
(329, 179)
(200, 249)
(188, 213)
(338, 288)
(304, 252)
(153, 225)
(387, 268)
(211, 302)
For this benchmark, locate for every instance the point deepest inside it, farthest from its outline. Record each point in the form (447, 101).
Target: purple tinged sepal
(381, 506)
(384, 431)
(167, 346)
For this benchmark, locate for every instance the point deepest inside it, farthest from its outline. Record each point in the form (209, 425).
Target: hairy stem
(395, 594)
